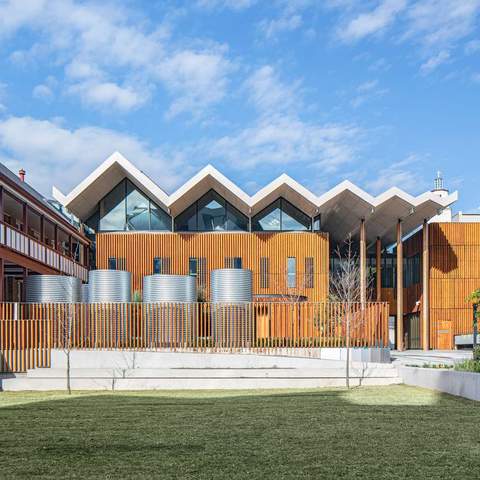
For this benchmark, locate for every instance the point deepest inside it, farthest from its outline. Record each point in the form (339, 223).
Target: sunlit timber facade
(287, 235)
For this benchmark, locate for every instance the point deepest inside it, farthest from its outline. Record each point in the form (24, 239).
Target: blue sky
(382, 92)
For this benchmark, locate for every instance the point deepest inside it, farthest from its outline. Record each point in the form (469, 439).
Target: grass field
(370, 433)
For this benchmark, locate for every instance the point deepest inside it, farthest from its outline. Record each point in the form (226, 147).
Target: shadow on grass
(387, 432)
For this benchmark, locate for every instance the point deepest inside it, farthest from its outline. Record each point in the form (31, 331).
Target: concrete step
(118, 359)
(326, 372)
(45, 384)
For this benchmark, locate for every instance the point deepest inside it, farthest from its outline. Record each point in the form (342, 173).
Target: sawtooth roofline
(84, 197)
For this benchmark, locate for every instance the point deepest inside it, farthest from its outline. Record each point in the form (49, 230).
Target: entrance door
(412, 325)
(444, 335)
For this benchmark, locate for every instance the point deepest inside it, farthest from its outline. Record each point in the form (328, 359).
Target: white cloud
(279, 136)
(112, 51)
(283, 140)
(3, 96)
(476, 77)
(268, 93)
(367, 86)
(434, 62)
(56, 155)
(367, 91)
(42, 92)
(231, 4)
(404, 173)
(286, 23)
(373, 22)
(472, 47)
(45, 91)
(109, 94)
(196, 80)
(439, 23)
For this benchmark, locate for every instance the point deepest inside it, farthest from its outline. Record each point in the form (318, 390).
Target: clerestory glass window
(127, 208)
(281, 216)
(209, 214)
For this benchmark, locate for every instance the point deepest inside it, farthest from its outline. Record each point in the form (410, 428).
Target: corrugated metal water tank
(231, 295)
(109, 286)
(169, 310)
(169, 288)
(52, 289)
(231, 285)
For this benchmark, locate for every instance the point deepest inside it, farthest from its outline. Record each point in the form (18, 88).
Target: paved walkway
(420, 357)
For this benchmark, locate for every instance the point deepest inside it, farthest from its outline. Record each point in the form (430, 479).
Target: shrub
(468, 366)
(476, 353)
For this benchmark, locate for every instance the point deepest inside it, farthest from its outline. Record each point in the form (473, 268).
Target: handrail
(25, 248)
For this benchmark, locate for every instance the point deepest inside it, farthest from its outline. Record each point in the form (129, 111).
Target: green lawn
(383, 432)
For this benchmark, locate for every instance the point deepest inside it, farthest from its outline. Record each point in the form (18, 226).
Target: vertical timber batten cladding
(454, 272)
(140, 249)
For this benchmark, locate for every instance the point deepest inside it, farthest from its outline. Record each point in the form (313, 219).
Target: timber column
(378, 268)
(399, 287)
(363, 264)
(425, 290)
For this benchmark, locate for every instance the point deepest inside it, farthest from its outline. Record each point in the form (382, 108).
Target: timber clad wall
(139, 250)
(454, 274)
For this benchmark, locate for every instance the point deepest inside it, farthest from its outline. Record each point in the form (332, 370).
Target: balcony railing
(34, 249)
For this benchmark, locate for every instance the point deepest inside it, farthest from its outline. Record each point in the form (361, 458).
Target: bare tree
(65, 321)
(345, 288)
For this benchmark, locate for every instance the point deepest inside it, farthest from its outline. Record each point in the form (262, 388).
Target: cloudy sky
(382, 92)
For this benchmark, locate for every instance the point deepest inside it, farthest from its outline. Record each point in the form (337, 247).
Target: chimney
(21, 174)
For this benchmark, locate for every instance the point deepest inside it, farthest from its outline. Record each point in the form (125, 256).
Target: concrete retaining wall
(462, 384)
(280, 357)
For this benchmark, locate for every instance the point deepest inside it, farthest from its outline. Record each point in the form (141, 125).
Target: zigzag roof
(341, 207)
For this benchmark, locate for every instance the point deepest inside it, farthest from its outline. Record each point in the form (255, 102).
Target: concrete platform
(421, 357)
(126, 370)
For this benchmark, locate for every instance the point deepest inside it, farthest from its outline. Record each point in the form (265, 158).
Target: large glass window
(138, 209)
(281, 215)
(159, 219)
(34, 222)
(211, 213)
(49, 233)
(13, 211)
(112, 209)
(126, 208)
(63, 242)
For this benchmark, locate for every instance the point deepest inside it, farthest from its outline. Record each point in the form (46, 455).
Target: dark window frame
(281, 201)
(95, 219)
(227, 206)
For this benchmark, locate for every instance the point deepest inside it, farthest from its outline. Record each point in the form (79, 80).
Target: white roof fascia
(142, 180)
(276, 184)
(209, 170)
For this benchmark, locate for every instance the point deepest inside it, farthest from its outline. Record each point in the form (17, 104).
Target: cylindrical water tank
(231, 285)
(232, 320)
(161, 288)
(85, 293)
(52, 289)
(109, 286)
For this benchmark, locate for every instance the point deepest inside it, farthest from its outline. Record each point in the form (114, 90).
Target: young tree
(345, 288)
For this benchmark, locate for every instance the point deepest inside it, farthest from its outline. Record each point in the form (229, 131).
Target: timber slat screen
(28, 332)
